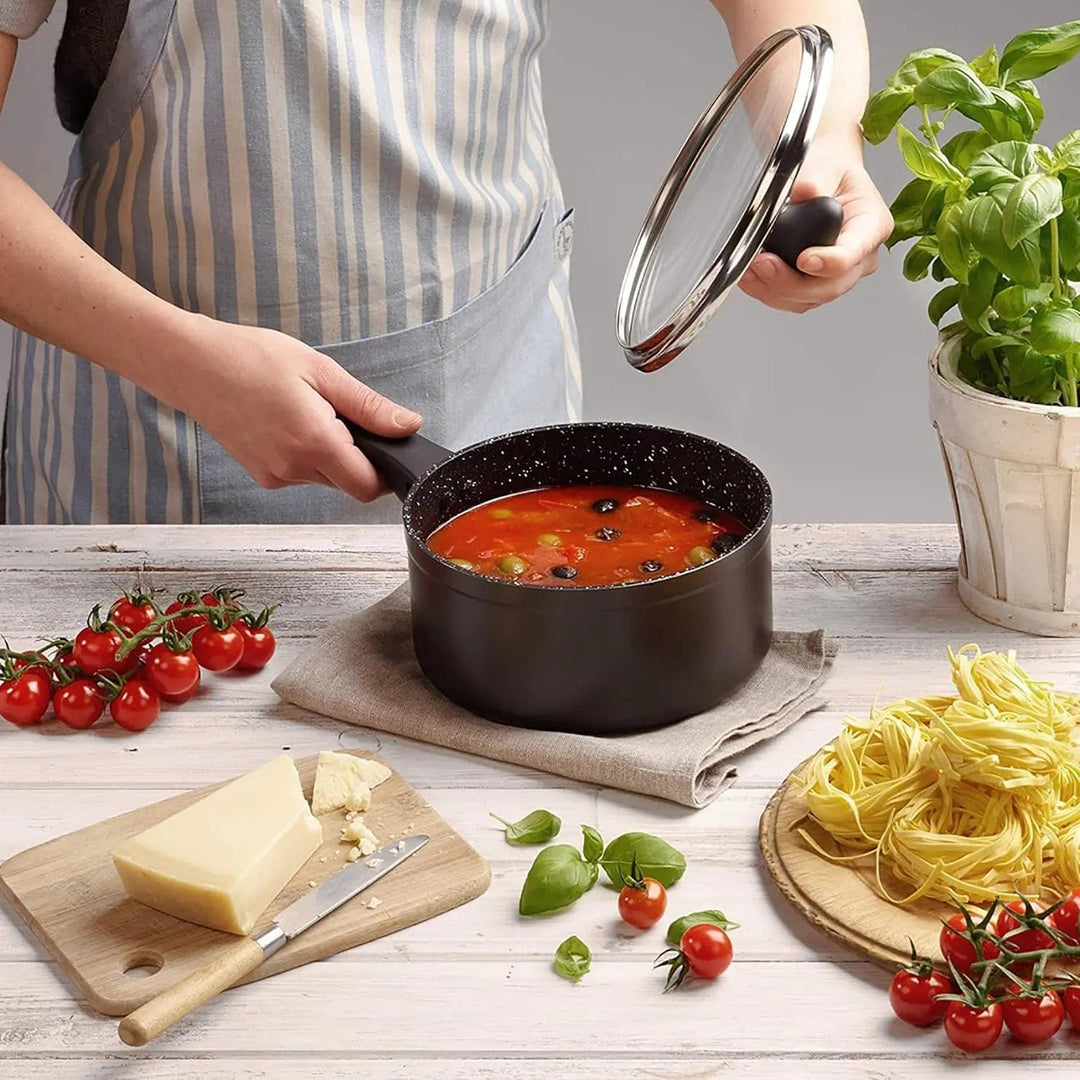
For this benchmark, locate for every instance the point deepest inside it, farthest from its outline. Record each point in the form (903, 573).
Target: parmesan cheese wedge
(222, 860)
(342, 780)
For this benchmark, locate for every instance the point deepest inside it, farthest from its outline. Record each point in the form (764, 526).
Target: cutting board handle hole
(143, 965)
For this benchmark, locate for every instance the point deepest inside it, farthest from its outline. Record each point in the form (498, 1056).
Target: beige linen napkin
(363, 671)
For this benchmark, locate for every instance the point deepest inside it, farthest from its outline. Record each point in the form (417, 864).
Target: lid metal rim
(774, 184)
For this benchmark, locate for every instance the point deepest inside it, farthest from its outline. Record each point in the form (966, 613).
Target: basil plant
(995, 215)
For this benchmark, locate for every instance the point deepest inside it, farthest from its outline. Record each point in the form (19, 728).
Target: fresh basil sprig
(648, 855)
(573, 958)
(557, 877)
(536, 828)
(994, 215)
(679, 927)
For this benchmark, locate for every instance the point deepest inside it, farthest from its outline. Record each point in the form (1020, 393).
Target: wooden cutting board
(838, 898)
(71, 897)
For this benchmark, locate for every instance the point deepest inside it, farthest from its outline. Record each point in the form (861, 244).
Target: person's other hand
(835, 168)
(273, 404)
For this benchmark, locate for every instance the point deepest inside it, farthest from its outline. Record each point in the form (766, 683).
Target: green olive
(549, 540)
(698, 556)
(512, 565)
(463, 563)
(500, 513)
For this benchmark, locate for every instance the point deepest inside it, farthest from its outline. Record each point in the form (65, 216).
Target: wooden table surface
(472, 993)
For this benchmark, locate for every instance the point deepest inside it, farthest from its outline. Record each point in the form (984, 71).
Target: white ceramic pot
(1014, 471)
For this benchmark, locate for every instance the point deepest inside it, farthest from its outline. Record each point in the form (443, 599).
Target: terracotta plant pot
(1014, 471)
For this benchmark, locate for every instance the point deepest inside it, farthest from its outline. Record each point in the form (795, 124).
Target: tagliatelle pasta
(963, 798)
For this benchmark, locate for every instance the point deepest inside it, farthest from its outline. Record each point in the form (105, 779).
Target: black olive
(704, 514)
(607, 533)
(565, 572)
(651, 566)
(725, 542)
(605, 506)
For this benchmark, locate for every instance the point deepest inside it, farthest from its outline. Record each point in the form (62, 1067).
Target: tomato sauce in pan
(587, 535)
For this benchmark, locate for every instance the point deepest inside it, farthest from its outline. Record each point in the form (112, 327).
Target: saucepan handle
(814, 223)
(399, 461)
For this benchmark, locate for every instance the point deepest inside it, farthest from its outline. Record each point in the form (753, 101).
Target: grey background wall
(831, 404)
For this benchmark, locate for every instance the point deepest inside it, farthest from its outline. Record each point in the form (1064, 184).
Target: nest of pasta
(961, 798)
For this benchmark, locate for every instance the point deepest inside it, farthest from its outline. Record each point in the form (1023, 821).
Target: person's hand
(272, 403)
(835, 168)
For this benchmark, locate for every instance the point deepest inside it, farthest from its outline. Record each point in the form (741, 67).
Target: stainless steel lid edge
(765, 205)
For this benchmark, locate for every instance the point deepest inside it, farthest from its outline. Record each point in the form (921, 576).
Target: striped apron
(370, 176)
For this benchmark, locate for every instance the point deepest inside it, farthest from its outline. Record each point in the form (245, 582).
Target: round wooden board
(839, 900)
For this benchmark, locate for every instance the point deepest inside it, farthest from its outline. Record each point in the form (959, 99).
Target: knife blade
(150, 1020)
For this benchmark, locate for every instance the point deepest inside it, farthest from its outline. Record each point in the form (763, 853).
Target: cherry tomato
(914, 997)
(707, 949)
(1034, 1021)
(132, 616)
(1066, 920)
(972, 1029)
(95, 650)
(24, 699)
(217, 650)
(171, 672)
(1072, 1005)
(643, 907)
(959, 951)
(259, 646)
(137, 706)
(186, 623)
(1025, 940)
(67, 659)
(79, 705)
(25, 665)
(187, 695)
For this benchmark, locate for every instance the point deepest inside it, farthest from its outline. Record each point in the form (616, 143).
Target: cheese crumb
(399, 846)
(311, 884)
(357, 832)
(354, 854)
(374, 902)
(374, 863)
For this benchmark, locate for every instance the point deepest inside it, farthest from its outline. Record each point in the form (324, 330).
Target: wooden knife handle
(150, 1020)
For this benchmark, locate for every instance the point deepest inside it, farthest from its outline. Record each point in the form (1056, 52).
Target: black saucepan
(597, 660)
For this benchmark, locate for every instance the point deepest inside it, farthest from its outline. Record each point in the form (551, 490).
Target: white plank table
(472, 994)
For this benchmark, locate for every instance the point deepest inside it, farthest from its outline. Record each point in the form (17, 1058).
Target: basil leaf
(1067, 152)
(1002, 163)
(1016, 301)
(953, 247)
(917, 65)
(932, 208)
(655, 858)
(976, 297)
(1037, 52)
(883, 110)
(593, 846)
(557, 877)
(924, 160)
(941, 302)
(1028, 93)
(962, 149)
(981, 221)
(573, 959)
(952, 85)
(1032, 203)
(1056, 331)
(1069, 242)
(907, 211)
(1008, 117)
(938, 270)
(919, 257)
(985, 65)
(712, 916)
(536, 828)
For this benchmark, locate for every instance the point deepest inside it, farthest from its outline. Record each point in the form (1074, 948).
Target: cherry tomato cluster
(1001, 975)
(134, 659)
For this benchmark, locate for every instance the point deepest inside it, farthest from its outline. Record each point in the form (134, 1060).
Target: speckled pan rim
(420, 542)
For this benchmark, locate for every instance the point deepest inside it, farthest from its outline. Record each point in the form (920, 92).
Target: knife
(150, 1020)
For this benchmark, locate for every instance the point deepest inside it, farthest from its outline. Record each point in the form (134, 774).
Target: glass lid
(723, 195)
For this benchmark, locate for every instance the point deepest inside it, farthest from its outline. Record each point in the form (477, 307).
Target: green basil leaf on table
(713, 916)
(952, 84)
(593, 845)
(1001, 163)
(573, 958)
(941, 302)
(963, 148)
(1056, 331)
(1015, 301)
(1038, 52)
(654, 857)
(985, 65)
(536, 828)
(884, 110)
(918, 259)
(1033, 201)
(907, 211)
(557, 877)
(925, 161)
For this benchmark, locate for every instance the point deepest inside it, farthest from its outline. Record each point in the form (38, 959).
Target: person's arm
(834, 164)
(268, 399)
